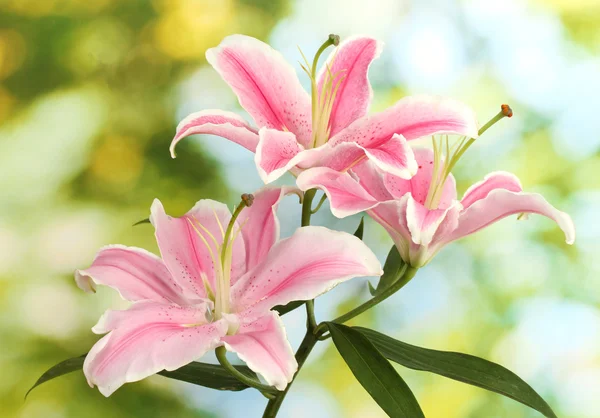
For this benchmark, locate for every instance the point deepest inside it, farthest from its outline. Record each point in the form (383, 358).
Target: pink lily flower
(423, 214)
(332, 129)
(214, 288)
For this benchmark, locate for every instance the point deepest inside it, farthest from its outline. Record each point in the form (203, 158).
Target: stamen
(212, 237)
(321, 103)
(210, 251)
(219, 223)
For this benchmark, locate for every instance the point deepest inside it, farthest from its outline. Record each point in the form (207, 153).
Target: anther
(248, 199)
(506, 110)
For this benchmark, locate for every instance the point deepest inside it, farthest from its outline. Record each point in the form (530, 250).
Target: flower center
(322, 101)
(445, 158)
(221, 260)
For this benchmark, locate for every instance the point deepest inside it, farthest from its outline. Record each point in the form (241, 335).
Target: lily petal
(500, 203)
(394, 156)
(217, 122)
(145, 339)
(260, 225)
(420, 183)
(135, 273)
(412, 117)
(346, 196)
(310, 262)
(351, 61)
(423, 223)
(187, 244)
(262, 344)
(495, 180)
(265, 84)
(371, 179)
(275, 153)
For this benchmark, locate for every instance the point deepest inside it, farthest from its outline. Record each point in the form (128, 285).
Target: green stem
(304, 350)
(323, 199)
(309, 195)
(311, 322)
(268, 391)
(399, 284)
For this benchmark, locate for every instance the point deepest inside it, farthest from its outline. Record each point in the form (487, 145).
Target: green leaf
(283, 309)
(213, 376)
(393, 269)
(458, 366)
(375, 373)
(64, 367)
(361, 229)
(143, 221)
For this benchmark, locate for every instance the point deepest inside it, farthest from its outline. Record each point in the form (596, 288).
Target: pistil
(223, 269)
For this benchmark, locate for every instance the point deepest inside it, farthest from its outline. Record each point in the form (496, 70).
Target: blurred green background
(90, 94)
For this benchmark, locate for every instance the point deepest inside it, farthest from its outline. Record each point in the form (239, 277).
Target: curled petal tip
(506, 110)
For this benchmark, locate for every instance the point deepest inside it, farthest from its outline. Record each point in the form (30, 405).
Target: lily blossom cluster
(217, 281)
(330, 128)
(220, 274)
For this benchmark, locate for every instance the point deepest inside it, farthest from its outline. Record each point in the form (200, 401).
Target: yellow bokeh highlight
(12, 52)
(38, 8)
(118, 160)
(187, 28)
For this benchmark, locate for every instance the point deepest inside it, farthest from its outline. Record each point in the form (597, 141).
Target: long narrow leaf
(64, 367)
(375, 373)
(458, 366)
(202, 374)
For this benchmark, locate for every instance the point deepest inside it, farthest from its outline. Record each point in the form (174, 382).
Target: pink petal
(351, 60)
(495, 180)
(265, 84)
(310, 262)
(500, 203)
(419, 184)
(275, 153)
(135, 273)
(262, 344)
(346, 196)
(394, 156)
(371, 179)
(392, 216)
(145, 339)
(260, 225)
(187, 256)
(423, 223)
(216, 122)
(412, 117)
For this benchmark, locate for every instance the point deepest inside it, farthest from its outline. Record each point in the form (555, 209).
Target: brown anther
(335, 39)
(248, 199)
(506, 110)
